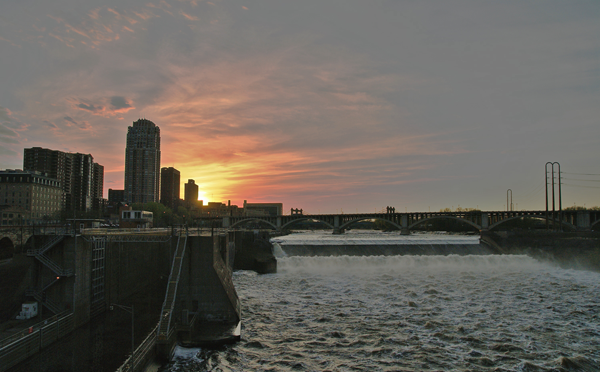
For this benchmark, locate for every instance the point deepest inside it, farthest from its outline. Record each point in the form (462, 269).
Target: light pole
(129, 309)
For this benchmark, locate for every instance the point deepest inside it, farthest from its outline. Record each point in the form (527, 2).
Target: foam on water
(365, 265)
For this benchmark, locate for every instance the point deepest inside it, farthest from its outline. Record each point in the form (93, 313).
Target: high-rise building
(191, 193)
(169, 187)
(142, 162)
(82, 180)
(98, 201)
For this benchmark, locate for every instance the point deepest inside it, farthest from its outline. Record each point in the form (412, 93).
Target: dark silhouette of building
(98, 201)
(142, 162)
(169, 187)
(263, 209)
(82, 180)
(116, 196)
(191, 194)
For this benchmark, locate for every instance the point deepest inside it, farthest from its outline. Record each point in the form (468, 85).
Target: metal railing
(52, 306)
(21, 345)
(49, 244)
(169, 303)
(141, 354)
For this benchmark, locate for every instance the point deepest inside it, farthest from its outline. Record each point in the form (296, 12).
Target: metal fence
(18, 347)
(141, 355)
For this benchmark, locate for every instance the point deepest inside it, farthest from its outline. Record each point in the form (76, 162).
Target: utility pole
(552, 165)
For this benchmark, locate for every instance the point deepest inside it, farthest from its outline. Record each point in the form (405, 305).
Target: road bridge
(480, 220)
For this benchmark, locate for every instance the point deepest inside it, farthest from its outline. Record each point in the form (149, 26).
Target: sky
(335, 106)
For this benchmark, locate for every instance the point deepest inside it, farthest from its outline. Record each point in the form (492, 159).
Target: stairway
(49, 244)
(52, 306)
(164, 325)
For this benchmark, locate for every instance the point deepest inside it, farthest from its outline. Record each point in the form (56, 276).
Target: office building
(142, 162)
(36, 194)
(169, 187)
(191, 194)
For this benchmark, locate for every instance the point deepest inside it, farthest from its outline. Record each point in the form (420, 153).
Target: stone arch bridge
(579, 220)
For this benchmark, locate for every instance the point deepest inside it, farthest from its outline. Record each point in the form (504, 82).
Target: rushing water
(407, 313)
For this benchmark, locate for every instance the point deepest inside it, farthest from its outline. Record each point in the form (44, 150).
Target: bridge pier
(485, 221)
(404, 223)
(338, 231)
(583, 221)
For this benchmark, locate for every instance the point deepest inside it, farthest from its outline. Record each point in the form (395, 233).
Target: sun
(203, 196)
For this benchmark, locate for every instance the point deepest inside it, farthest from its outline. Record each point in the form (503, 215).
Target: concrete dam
(182, 281)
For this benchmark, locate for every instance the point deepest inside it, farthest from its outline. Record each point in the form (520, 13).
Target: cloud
(120, 103)
(90, 107)
(188, 16)
(9, 133)
(83, 125)
(51, 125)
(8, 119)
(105, 107)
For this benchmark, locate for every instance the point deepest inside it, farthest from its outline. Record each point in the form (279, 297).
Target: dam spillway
(369, 243)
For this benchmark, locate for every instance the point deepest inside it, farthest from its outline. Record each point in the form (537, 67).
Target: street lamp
(130, 311)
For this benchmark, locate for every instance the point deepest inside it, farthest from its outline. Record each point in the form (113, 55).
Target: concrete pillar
(226, 222)
(485, 221)
(279, 223)
(583, 220)
(404, 224)
(336, 226)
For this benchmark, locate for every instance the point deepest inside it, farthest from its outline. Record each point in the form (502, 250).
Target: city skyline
(343, 106)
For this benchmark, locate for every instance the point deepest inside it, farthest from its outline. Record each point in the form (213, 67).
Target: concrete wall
(131, 267)
(253, 251)
(200, 288)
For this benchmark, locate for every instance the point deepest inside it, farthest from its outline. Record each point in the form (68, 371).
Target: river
(407, 313)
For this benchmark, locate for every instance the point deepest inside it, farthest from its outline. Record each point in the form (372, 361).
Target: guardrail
(23, 344)
(141, 355)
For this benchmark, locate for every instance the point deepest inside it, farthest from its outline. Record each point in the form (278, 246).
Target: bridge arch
(473, 224)
(536, 217)
(305, 219)
(257, 219)
(7, 248)
(593, 225)
(348, 223)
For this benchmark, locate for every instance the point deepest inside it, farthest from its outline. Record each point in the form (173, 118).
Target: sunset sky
(328, 106)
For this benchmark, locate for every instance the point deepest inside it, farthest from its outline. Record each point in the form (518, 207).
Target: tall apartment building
(191, 193)
(40, 196)
(82, 180)
(169, 187)
(142, 162)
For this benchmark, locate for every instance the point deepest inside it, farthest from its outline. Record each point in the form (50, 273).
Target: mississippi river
(411, 313)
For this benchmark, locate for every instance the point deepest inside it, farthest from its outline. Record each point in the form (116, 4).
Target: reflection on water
(433, 313)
